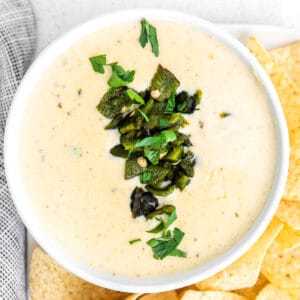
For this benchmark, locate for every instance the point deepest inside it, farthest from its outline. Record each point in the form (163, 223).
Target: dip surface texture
(77, 188)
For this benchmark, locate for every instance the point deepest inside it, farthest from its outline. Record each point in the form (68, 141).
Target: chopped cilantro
(134, 241)
(98, 62)
(224, 115)
(149, 34)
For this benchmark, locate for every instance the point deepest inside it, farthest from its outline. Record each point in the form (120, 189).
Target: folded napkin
(17, 42)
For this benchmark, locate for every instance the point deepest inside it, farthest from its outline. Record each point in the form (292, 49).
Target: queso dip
(76, 187)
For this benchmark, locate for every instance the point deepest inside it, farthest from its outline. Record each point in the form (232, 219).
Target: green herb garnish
(151, 143)
(145, 177)
(167, 244)
(134, 241)
(98, 62)
(224, 115)
(149, 34)
(143, 115)
(133, 95)
(160, 227)
(181, 106)
(163, 122)
(170, 104)
(164, 137)
(120, 77)
(153, 155)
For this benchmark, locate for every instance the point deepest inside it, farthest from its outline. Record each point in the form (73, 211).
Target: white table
(55, 17)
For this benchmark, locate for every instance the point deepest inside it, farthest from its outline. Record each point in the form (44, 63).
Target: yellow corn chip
(288, 61)
(270, 292)
(261, 54)
(50, 281)
(186, 288)
(211, 295)
(293, 293)
(288, 238)
(252, 292)
(289, 95)
(245, 271)
(292, 189)
(133, 297)
(171, 295)
(289, 213)
(282, 266)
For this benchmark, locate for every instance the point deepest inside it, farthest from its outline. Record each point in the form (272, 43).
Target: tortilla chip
(48, 280)
(282, 266)
(288, 238)
(244, 272)
(252, 292)
(292, 189)
(293, 293)
(270, 292)
(133, 297)
(289, 94)
(261, 54)
(211, 295)
(186, 288)
(170, 295)
(288, 61)
(289, 213)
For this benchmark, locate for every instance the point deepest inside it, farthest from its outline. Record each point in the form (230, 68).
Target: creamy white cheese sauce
(76, 188)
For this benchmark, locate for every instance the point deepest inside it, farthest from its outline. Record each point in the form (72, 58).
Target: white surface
(55, 17)
(270, 36)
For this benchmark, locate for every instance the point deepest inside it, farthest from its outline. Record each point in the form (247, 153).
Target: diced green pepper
(166, 209)
(132, 168)
(158, 175)
(182, 181)
(165, 82)
(113, 101)
(119, 151)
(187, 164)
(175, 154)
(115, 122)
(165, 191)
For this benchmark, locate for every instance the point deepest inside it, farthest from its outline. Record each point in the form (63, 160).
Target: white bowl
(11, 150)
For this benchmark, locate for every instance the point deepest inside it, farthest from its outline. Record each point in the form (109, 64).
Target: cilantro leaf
(171, 219)
(120, 77)
(166, 246)
(181, 106)
(133, 95)
(163, 122)
(134, 241)
(153, 40)
(153, 155)
(149, 34)
(144, 33)
(160, 227)
(98, 62)
(145, 177)
(177, 252)
(165, 136)
(144, 115)
(170, 104)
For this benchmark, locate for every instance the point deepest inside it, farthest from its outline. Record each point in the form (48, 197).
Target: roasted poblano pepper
(167, 162)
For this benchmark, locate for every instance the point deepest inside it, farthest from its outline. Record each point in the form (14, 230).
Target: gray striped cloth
(17, 43)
